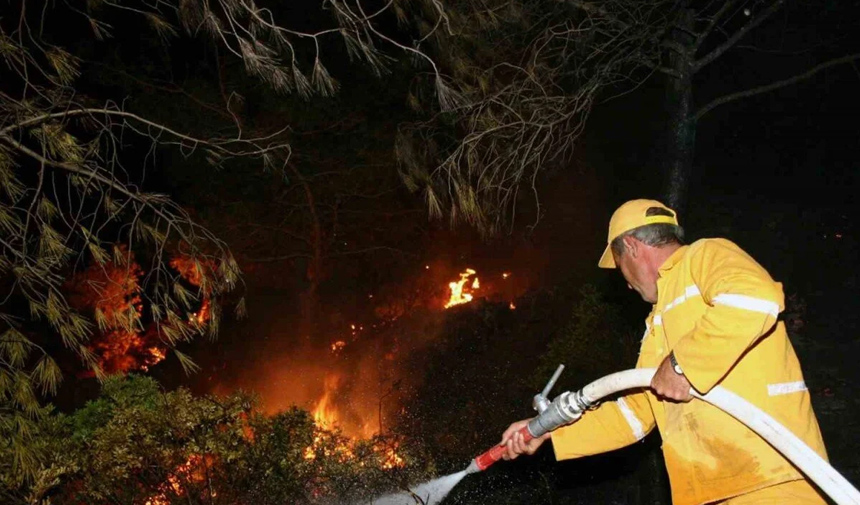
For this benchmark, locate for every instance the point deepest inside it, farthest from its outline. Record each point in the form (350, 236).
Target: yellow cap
(629, 216)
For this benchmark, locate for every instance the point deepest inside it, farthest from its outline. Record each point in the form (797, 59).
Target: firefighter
(714, 320)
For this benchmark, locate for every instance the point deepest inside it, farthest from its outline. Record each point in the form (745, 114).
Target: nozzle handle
(552, 381)
(485, 460)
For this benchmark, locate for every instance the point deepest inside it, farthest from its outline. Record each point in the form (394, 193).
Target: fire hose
(570, 406)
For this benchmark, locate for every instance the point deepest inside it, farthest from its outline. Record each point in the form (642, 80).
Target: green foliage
(34, 456)
(117, 394)
(136, 443)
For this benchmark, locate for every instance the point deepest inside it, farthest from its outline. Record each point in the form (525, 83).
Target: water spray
(569, 406)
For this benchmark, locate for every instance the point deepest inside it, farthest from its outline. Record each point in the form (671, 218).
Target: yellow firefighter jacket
(717, 309)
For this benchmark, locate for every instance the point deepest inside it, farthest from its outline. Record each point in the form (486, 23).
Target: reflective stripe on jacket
(717, 309)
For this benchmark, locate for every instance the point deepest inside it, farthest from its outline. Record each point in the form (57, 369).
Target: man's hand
(513, 439)
(670, 385)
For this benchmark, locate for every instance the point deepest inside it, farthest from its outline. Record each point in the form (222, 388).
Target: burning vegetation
(127, 339)
(351, 380)
(356, 372)
(112, 293)
(468, 287)
(358, 369)
(144, 446)
(192, 472)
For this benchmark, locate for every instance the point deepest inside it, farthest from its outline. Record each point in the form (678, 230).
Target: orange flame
(324, 412)
(326, 418)
(112, 291)
(460, 294)
(189, 269)
(190, 471)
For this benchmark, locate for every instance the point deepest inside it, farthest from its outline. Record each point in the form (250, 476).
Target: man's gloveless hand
(670, 385)
(512, 438)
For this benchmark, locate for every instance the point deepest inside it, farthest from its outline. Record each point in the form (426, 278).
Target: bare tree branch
(713, 22)
(738, 35)
(528, 106)
(775, 85)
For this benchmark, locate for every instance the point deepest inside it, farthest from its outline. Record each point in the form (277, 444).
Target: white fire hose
(794, 449)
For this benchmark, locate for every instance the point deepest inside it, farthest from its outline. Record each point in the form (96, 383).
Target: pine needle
(303, 86)
(64, 64)
(433, 205)
(241, 309)
(214, 323)
(165, 30)
(182, 294)
(46, 210)
(10, 185)
(188, 365)
(449, 99)
(322, 81)
(47, 375)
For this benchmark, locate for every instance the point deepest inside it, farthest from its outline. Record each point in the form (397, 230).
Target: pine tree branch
(69, 167)
(217, 144)
(775, 85)
(725, 46)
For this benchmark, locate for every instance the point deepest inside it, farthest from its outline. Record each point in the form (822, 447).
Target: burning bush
(137, 444)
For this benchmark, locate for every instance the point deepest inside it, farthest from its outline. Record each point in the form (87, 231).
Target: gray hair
(654, 235)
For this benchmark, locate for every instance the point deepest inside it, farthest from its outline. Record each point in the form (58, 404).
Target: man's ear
(631, 246)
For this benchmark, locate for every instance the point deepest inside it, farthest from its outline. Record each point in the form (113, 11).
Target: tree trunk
(682, 121)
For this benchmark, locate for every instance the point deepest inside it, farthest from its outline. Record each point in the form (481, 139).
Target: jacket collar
(672, 260)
